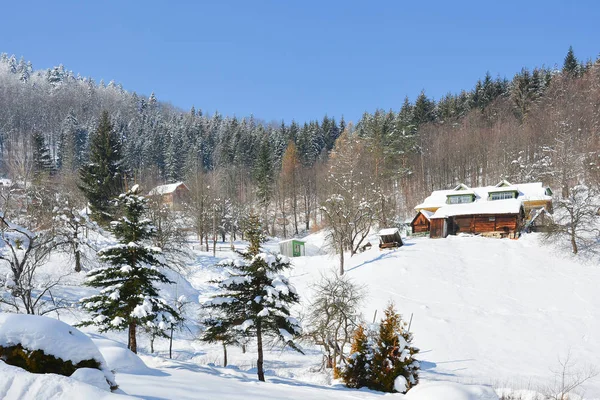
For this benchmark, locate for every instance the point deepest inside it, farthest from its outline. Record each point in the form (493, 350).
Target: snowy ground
(485, 311)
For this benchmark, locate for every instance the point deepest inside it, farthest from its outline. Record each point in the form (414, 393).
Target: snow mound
(118, 357)
(450, 391)
(53, 337)
(91, 376)
(18, 384)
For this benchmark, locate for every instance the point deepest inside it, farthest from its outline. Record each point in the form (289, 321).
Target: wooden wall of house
(485, 223)
(420, 224)
(437, 228)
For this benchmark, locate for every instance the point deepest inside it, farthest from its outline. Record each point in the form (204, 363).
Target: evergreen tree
(42, 163)
(393, 355)
(423, 110)
(264, 174)
(101, 178)
(254, 298)
(129, 297)
(383, 360)
(571, 65)
(357, 372)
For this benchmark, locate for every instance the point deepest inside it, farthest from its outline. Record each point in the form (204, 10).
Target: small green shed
(292, 248)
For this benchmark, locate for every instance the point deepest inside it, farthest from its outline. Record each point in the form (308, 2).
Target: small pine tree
(101, 178)
(394, 354)
(380, 360)
(129, 297)
(357, 372)
(254, 299)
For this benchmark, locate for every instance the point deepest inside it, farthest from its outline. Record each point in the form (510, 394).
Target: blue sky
(283, 59)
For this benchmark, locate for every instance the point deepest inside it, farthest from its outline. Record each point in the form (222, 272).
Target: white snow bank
(118, 357)
(91, 376)
(18, 384)
(53, 337)
(450, 391)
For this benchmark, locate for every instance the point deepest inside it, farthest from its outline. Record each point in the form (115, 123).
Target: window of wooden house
(467, 198)
(502, 195)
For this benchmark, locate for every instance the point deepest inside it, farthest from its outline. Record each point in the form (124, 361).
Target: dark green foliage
(393, 354)
(254, 299)
(571, 65)
(378, 358)
(129, 296)
(264, 173)
(38, 362)
(42, 163)
(423, 110)
(102, 177)
(357, 372)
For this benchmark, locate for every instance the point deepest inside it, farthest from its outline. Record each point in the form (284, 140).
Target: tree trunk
(295, 209)
(341, 258)
(77, 261)
(573, 243)
(132, 339)
(224, 354)
(259, 361)
(214, 233)
(152, 344)
(171, 342)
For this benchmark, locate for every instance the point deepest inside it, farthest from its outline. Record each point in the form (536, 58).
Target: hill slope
(484, 310)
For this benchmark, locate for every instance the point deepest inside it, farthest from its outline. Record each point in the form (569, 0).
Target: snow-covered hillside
(485, 311)
(501, 312)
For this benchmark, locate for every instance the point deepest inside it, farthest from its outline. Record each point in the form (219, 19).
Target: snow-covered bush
(383, 360)
(45, 345)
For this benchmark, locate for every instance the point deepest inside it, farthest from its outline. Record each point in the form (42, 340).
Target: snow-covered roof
(427, 214)
(388, 231)
(166, 189)
(508, 206)
(292, 239)
(526, 192)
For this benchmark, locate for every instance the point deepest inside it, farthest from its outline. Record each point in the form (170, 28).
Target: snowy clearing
(498, 313)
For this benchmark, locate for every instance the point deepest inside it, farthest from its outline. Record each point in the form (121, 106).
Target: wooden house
(421, 222)
(502, 218)
(498, 210)
(389, 238)
(174, 195)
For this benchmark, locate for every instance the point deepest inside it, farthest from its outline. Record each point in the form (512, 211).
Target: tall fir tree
(129, 297)
(102, 177)
(571, 65)
(42, 162)
(254, 298)
(264, 173)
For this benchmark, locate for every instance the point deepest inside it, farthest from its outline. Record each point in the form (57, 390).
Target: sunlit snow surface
(493, 312)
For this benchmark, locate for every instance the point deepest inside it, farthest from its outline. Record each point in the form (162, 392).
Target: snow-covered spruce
(383, 358)
(128, 296)
(253, 299)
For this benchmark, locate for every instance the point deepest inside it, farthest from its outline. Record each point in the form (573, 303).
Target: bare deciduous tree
(568, 379)
(333, 316)
(575, 217)
(25, 252)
